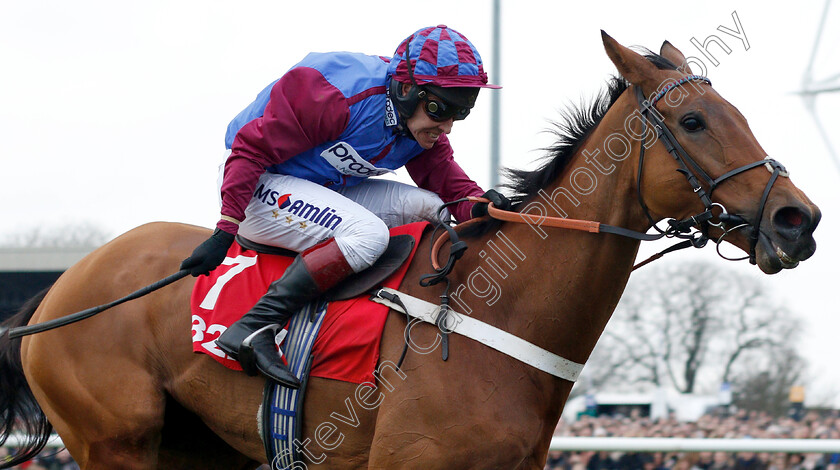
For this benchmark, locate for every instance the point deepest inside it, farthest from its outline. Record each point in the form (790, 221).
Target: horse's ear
(673, 54)
(632, 66)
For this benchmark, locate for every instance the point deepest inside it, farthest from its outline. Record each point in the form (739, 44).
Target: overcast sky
(114, 113)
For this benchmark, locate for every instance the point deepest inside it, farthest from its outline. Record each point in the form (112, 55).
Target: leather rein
(692, 230)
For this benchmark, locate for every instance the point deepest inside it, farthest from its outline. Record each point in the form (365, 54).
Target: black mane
(571, 132)
(577, 124)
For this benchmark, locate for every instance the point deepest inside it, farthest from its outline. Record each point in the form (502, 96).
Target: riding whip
(73, 318)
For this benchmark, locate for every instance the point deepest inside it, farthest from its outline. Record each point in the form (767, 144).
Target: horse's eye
(692, 124)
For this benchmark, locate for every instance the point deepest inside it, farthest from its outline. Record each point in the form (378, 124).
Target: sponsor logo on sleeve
(390, 113)
(347, 161)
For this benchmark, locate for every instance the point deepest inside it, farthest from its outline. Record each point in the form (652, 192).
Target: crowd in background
(49, 459)
(739, 425)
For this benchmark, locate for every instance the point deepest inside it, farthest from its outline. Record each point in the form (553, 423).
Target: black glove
(209, 254)
(498, 199)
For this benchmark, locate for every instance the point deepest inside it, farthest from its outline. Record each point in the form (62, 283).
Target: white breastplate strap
(489, 335)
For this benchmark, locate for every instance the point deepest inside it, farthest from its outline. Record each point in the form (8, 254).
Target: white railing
(641, 444)
(17, 440)
(673, 444)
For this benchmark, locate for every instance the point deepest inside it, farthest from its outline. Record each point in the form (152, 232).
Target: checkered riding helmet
(442, 61)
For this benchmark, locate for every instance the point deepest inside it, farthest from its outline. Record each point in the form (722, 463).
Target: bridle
(702, 221)
(694, 230)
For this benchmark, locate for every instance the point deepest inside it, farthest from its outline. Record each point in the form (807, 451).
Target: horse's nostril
(791, 222)
(793, 217)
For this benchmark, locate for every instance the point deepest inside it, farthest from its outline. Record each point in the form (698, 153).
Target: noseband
(691, 170)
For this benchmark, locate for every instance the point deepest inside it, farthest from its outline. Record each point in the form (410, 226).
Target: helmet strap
(405, 104)
(400, 104)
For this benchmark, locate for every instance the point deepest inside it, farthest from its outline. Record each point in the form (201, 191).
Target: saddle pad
(347, 347)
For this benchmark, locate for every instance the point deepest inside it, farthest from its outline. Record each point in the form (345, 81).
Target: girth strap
(489, 335)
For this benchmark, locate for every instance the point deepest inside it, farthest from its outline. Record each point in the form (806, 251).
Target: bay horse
(124, 389)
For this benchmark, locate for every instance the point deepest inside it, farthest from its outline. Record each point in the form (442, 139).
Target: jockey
(300, 158)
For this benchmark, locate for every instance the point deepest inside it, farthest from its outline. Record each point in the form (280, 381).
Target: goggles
(440, 111)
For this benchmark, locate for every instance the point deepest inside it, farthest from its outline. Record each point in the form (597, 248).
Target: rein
(518, 217)
(693, 230)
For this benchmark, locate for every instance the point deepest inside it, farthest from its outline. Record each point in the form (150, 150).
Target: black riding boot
(251, 339)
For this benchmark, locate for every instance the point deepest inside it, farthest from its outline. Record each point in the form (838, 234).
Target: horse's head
(705, 160)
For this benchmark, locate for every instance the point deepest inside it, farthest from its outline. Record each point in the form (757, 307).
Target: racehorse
(124, 389)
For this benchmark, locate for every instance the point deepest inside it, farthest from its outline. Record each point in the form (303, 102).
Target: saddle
(398, 250)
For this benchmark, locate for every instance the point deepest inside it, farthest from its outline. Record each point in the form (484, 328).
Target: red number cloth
(347, 347)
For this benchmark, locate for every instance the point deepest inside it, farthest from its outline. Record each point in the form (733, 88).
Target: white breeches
(297, 214)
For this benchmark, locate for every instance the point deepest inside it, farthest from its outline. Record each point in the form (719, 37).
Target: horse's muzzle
(790, 238)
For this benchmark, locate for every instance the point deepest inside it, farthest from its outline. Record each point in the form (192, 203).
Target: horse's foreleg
(339, 424)
(461, 413)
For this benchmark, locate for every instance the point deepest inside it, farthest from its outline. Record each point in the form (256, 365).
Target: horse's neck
(556, 287)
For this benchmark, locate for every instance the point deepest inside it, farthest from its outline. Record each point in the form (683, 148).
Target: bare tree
(690, 326)
(764, 383)
(80, 235)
